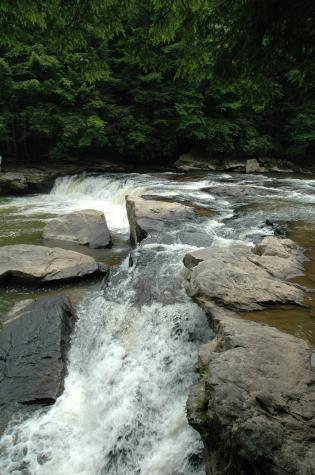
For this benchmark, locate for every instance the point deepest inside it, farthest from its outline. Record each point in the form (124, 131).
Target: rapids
(130, 365)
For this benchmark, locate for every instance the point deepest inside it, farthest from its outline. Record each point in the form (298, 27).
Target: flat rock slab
(34, 342)
(255, 404)
(87, 227)
(40, 264)
(153, 216)
(242, 278)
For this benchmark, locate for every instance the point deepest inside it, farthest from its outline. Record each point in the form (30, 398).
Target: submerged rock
(31, 264)
(34, 343)
(245, 279)
(255, 404)
(154, 217)
(87, 227)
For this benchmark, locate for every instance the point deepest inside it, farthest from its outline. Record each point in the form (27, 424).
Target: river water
(130, 364)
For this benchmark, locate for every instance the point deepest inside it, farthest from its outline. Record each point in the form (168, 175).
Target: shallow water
(123, 408)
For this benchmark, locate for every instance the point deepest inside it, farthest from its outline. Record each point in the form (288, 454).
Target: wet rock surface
(254, 404)
(153, 217)
(243, 278)
(39, 264)
(194, 161)
(34, 342)
(86, 227)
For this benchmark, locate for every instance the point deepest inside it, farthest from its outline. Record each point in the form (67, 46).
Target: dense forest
(149, 79)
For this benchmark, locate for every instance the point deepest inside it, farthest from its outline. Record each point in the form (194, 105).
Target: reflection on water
(298, 321)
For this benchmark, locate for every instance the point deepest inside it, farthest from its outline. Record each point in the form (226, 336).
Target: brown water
(18, 229)
(299, 321)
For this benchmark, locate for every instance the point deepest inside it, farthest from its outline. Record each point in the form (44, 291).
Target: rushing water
(130, 364)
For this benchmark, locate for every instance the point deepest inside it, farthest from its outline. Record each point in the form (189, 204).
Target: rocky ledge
(255, 403)
(39, 264)
(87, 227)
(34, 344)
(154, 217)
(194, 161)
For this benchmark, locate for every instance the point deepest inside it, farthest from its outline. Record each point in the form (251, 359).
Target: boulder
(87, 227)
(34, 344)
(194, 161)
(39, 264)
(154, 217)
(240, 278)
(237, 191)
(24, 182)
(254, 406)
(253, 166)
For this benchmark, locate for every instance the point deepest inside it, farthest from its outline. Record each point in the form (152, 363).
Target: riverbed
(130, 365)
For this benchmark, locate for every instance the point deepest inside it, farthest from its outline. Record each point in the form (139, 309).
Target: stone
(282, 258)
(24, 182)
(254, 406)
(239, 278)
(253, 166)
(193, 161)
(87, 227)
(34, 344)
(39, 264)
(237, 191)
(147, 217)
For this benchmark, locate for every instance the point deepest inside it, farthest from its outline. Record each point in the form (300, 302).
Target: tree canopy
(150, 79)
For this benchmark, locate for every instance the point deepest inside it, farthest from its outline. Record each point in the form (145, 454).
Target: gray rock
(193, 161)
(253, 166)
(239, 278)
(237, 191)
(255, 404)
(154, 217)
(34, 343)
(30, 264)
(87, 227)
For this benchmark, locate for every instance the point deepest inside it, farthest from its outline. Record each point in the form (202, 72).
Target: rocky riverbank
(22, 178)
(254, 404)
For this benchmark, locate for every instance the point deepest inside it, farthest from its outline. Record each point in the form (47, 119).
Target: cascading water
(130, 366)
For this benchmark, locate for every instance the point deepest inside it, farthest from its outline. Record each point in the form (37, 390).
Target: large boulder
(153, 216)
(87, 227)
(30, 264)
(25, 181)
(253, 166)
(240, 278)
(34, 342)
(255, 403)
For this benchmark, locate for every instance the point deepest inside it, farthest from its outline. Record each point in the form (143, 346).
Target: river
(130, 365)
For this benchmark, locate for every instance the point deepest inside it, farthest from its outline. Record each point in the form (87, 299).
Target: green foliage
(150, 79)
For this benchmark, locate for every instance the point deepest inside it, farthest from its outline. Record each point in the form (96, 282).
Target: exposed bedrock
(255, 403)
(87, 227)
(34, 342)
(194, 161)
(39, 264)
(154, 217)
(243, 278)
